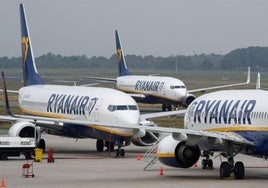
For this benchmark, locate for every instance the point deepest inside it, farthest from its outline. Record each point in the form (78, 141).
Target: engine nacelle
(189, 99)
(24, 129)
(149, 139)
(178, 154)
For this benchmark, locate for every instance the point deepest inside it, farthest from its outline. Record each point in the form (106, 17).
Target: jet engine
(25, 129)
(189, 99)
(149, 138)
(176, 153)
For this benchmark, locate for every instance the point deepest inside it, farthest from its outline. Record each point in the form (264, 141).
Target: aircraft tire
(225, 170)
(210, 163)
(117, 153)
(204, 164)
(239, 170)
(122, 153)
(163, 107)
(100, 145)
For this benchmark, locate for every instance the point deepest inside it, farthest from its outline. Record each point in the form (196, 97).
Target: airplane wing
(100, 78)
(135, 95)
(223, 86)
(11, 91)
(216, 137)
(162, 114)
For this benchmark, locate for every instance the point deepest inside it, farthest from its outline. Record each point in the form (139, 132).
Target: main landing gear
(166, 107)
(100, 144)
(229, 166)
(226, 167)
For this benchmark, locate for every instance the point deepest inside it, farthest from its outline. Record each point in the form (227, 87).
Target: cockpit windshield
(177, 87)
(113, 108)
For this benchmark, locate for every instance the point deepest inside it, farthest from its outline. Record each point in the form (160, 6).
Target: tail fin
(30, 74)
(123, 71)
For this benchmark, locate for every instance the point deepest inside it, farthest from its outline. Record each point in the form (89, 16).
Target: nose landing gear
(207, 163)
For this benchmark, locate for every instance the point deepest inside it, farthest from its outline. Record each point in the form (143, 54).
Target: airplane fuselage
(156, 89)
(244, 112)
(95, 105)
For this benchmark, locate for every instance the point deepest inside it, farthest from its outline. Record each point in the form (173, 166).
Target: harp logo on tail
(25, 47)
(119, 55)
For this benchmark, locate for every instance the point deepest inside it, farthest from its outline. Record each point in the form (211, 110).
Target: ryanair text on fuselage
(146, 85)
(70, 104)
(222, 111)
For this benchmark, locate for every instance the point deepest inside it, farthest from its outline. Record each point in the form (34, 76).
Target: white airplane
(163, 90)
(241, 116)
(57, 109)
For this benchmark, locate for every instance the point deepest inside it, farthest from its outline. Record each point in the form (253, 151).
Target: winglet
(248, 78)
(258, 83)
(30, 74)
(5, 96)
(123, 71)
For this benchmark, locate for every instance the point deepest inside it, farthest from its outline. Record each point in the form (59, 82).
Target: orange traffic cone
(138, 156)
(3, 184)
(161, 171)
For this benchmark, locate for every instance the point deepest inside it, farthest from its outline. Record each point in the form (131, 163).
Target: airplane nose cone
(181, 94)
(132, 117)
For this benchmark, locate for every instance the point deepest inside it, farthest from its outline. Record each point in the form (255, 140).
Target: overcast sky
(146, 27)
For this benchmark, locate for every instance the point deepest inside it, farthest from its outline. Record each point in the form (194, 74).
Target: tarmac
(77, 164)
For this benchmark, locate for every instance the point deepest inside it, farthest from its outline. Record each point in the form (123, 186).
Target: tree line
(255, 57)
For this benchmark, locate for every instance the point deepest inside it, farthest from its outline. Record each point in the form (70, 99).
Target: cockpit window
(177, 87)
(113, 108)
(121, 107)
(132, 107)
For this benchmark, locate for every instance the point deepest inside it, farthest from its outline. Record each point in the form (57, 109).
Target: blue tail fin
(123, 71)
(30, 74)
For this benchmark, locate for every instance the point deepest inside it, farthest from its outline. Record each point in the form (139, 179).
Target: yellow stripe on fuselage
(147, 93)
(238, 128)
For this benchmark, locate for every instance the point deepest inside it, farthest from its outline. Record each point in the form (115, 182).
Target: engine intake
(189, 99)
(176, 153)
(187, 155)
(24, 129)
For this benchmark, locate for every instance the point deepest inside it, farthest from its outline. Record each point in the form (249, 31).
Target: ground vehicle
(14, 146)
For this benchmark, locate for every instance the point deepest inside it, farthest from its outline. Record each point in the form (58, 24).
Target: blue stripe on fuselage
(259, 138)
(81, 131)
